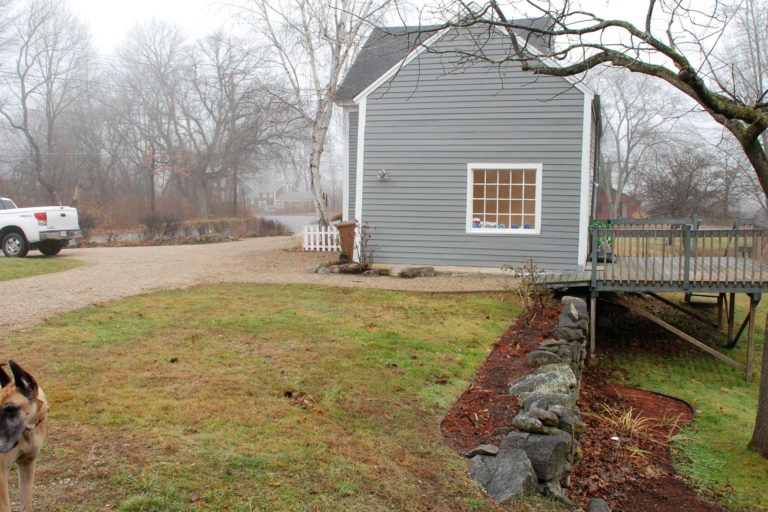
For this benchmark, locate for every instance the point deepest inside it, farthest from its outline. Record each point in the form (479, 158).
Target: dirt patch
(483, 414)
(627, 458)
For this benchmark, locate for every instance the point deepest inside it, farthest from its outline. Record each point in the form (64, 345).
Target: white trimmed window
(504, 198)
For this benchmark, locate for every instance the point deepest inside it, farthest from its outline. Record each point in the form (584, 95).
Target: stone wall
(538, 455)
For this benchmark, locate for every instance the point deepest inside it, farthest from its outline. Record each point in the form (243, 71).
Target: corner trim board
(361, 115)
(586, 181)
(345, 168)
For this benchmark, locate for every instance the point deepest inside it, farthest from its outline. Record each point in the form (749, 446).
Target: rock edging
(538, 455)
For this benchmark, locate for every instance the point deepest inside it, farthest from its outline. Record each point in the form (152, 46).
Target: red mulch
(632, 482)
(483, 414)
(637, 477)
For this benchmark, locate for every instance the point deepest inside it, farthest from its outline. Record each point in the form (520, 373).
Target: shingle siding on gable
(429, 121)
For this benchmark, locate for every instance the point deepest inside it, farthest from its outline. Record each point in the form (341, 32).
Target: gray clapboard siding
(352, 167)
(433, 118)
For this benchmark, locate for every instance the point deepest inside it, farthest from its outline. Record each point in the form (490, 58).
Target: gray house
(461, 162)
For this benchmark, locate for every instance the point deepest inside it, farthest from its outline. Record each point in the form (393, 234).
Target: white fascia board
(400, 65)
(586, 180)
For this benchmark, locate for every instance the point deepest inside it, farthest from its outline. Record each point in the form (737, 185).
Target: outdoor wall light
(382, 175)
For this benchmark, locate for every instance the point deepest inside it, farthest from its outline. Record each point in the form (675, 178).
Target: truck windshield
(6, 204)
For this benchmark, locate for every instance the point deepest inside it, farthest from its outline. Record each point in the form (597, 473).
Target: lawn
(712, 451)
(247, 397)
(13, 268)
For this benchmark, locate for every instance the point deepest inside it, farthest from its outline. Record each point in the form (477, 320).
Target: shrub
(87, 221)
(159, 225)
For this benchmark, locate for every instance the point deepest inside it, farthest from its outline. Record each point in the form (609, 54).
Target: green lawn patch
(13, 268)
(711, 451)
(252, 397)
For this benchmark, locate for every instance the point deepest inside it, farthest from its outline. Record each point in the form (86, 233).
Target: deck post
(594, 234)
(731, 316)
(720, 301)
(687, 258)
(753, 302)
(592, 323)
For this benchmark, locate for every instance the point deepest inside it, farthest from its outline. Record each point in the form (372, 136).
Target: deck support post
(720, 301)
(687, 337)
(731, 316)
(753, 302)
(592, 323)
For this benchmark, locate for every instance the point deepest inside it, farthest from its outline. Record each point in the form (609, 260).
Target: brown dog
(23, 408)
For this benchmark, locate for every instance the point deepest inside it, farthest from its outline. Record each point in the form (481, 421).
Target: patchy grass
(711, 451)
(13, 268)
(248, 397)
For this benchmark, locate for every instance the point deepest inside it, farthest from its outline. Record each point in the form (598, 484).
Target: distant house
(294, 201)
(282, 196)
(628, 207)
(453, 161)
(265, 200)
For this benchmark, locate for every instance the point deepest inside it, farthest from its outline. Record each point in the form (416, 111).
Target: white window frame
(471, 167)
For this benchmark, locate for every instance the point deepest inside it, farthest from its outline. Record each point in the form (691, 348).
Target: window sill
(491, 231)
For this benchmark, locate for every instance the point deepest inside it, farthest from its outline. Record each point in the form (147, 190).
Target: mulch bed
(636, 476)
(484, 412)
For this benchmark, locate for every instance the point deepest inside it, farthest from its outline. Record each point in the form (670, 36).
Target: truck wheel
(15, 245)
(51, 247)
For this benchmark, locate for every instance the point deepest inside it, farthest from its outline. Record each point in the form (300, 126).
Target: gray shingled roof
(384, 48)
(387, 46)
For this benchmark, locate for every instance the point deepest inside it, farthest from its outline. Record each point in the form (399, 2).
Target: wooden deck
(677, 256)
(656, 273)
(663, 255)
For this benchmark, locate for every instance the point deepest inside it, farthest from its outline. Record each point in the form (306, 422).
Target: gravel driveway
(112, 273)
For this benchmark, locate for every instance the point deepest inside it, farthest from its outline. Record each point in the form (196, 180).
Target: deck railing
(678, 255)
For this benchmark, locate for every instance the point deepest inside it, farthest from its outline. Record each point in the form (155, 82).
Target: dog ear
(25, 383)
(4, 378)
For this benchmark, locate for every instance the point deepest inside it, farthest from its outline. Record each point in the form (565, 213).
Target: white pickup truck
(48, 228)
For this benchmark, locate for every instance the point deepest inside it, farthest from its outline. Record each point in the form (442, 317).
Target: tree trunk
(202, 199)
(759, 442)
(234, 193)
(754, 151)
(319, 131)
(151, 179)
(38, 160)
(152, 201)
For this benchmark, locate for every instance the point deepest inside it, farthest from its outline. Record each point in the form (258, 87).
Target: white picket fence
(318, 238)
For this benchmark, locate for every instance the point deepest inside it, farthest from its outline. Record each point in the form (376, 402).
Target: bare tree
(314, 42)
(636, 114)
(746, 57)
(151, 66)
(50, 65)
(682, 182)
(227, 116)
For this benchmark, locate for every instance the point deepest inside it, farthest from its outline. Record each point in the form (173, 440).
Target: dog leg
(5, 500)
(26, 482)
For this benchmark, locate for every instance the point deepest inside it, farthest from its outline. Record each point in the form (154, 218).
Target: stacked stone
(568, 343)
(538, 456)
